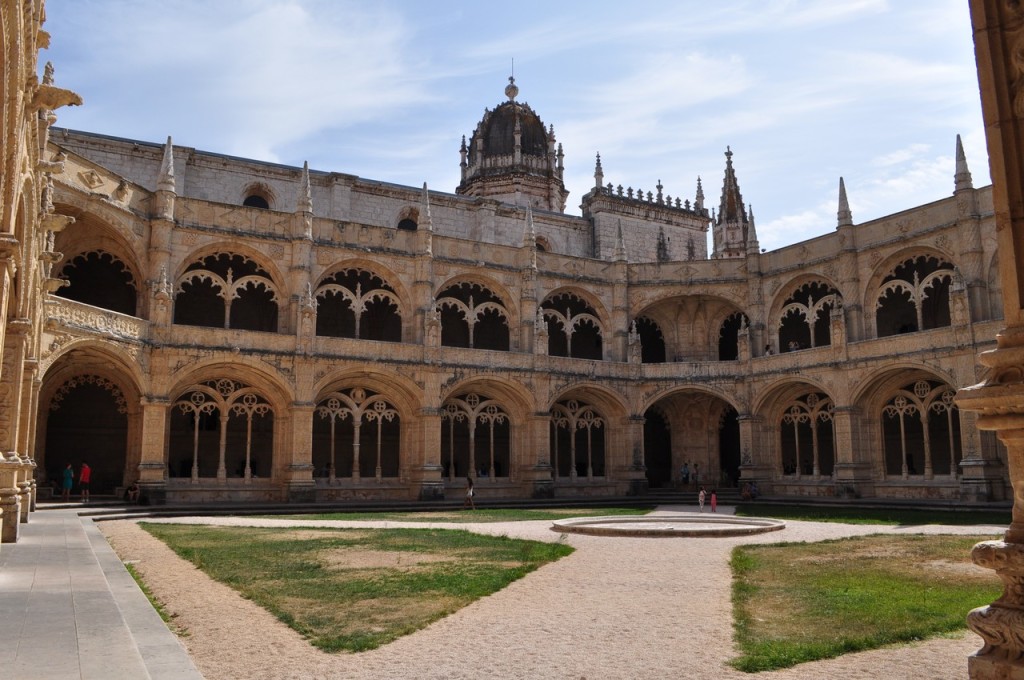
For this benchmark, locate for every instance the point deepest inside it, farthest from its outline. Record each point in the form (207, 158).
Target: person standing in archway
(66, 483)
(84, 475)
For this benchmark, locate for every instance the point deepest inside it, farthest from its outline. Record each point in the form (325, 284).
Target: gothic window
(921, 431)
(577, 440)
(729, 336)
(99, 279)
(256, 201)
(806, 317)
(473, 316)
(652, 341)
(475, 438)
(357, 434)
(914, 297)
(573, 328)
(221, 428)
(226, 291)
(258, 195)
(358, 304)
(807, 441)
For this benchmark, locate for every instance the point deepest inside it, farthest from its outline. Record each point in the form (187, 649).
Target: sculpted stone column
(298, 470)
(426, 473)
(537, 449)
(152, 463)
(999, 401)
(10, 499)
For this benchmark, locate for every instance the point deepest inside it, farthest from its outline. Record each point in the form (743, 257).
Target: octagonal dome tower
(512, 158)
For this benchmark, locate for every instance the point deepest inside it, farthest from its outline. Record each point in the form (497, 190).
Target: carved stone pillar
(999, 401)
(10, 500)
(853, 474)
(298, 471)
(536, 455)
(28, 468)
(426, 472)
(152, 462)
(755, 465)
(637, 470)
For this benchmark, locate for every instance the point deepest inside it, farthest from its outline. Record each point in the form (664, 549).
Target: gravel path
(616, 608)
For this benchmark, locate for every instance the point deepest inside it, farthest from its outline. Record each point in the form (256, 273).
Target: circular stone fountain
(688, 524)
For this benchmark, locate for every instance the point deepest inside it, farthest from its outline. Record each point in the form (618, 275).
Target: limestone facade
(231, 329)
(28, 223)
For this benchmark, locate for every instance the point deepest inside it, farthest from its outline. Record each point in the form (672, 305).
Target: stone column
(853, 475)
(426, 472)
(298, 472)
(28, 468)
(637, 470)
(537, 455)
(152, 462)
(10, 500)
(999, 401)
(755, 464)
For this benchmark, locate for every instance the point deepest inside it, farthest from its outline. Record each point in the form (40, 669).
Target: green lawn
(800, 602)
(874, 515)
(354, 590)
(478, 515)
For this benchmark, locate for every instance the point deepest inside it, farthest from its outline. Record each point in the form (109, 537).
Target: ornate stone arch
(209, 285)
(912, 293)
(800, 312)
(797, 434)
(469, 307)
(896, 412)
(575, 326)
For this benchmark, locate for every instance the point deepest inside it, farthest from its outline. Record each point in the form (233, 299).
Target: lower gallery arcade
(228, 429)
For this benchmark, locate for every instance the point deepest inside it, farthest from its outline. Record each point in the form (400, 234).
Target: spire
(731, 207)
(598, 173)
(620, 245)
(426, 208)
(698, 203)
(962, 178)
(730, 229)
(752, 245)
(165, 180)
(845, 217)
(304, 202)
(529, 231)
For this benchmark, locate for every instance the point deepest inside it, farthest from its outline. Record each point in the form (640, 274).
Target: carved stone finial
(511, 90)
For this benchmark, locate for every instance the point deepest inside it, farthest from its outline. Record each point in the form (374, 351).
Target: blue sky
(804, 91)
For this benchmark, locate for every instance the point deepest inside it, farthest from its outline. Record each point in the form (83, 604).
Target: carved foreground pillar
(999, 401)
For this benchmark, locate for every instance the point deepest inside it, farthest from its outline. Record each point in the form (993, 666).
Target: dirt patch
(357, 558)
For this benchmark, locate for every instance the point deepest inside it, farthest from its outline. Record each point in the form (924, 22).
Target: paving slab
(72, 610)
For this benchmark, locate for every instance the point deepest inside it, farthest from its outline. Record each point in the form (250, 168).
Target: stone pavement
(70, 609)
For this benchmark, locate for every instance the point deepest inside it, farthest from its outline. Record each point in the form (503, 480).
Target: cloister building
(227, 329)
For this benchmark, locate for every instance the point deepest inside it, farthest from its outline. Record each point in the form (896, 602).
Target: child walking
(700, 498)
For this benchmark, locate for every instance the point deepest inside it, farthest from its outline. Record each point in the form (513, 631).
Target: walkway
(70, 609)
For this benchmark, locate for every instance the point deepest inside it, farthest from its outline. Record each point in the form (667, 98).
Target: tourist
(700, 498)
(754, 493)
(768, 350)
(714, 500)
(696, 475)
(132, 494)
(685, 474)
(67, 482)
(83, 481)
(469, 494)
(746, 493)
